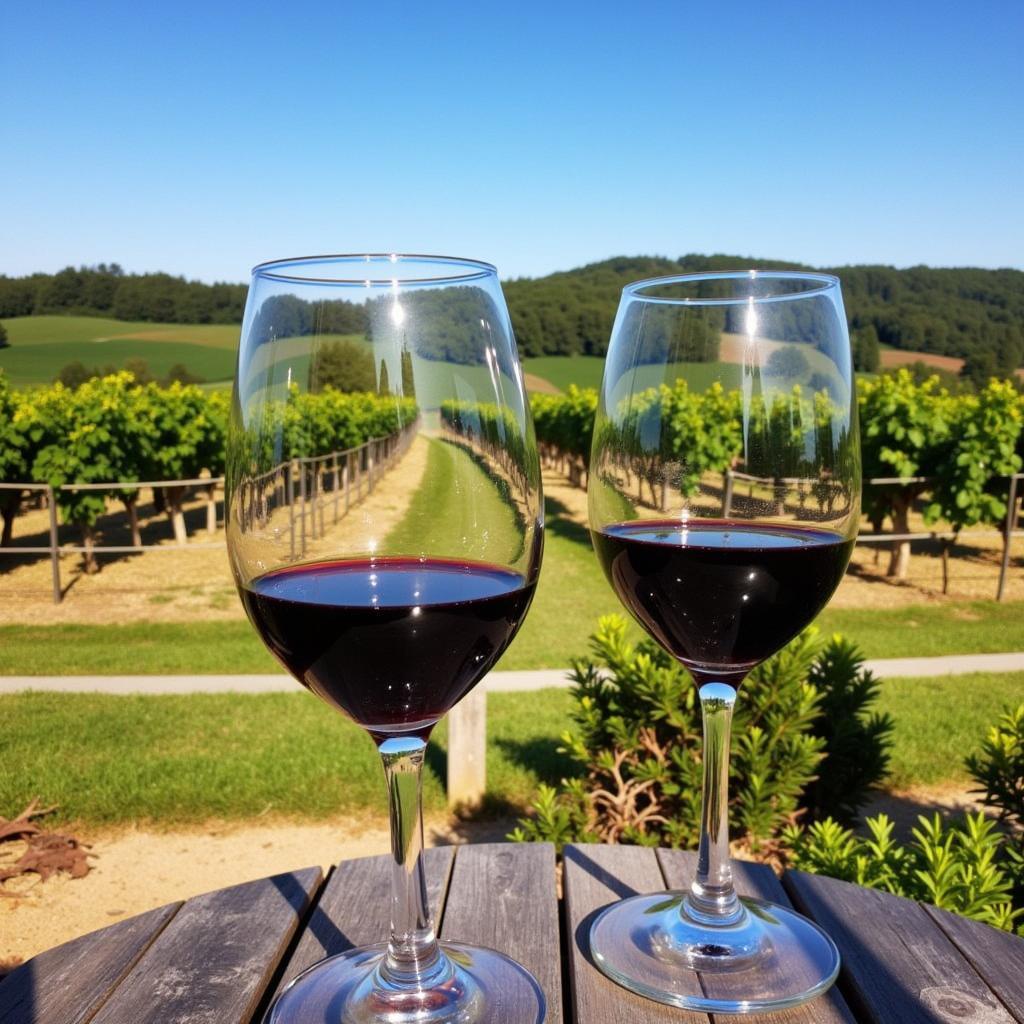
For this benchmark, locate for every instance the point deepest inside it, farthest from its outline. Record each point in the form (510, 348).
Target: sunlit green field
(41, 346)
(40, 364)
(169, 759)
(48, 330)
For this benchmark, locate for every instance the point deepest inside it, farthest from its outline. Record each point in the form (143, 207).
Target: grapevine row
(112, 428)
(957, 448)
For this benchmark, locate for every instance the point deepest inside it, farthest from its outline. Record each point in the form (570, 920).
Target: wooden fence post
(54, 549)
(1011, 522)
(334, 485)
(302, 503)
(291, 506)
(467, 750)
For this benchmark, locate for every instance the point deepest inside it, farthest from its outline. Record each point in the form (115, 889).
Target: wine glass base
(483, 987)
(770, 959)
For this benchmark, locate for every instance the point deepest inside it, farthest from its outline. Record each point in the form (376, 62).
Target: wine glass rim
(823, 282)
(290, 269)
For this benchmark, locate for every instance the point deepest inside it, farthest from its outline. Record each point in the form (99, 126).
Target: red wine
(392, 642)
(722, 596)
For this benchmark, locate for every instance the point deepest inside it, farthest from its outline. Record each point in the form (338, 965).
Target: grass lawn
(572, 593)
(939, 721)
(967, 627)
(178, 759)
(583, 371)
(46, 330)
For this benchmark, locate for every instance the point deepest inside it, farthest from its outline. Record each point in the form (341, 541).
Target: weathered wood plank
(757, 881)
(211, 964)
(502, 895)
(593, 877)
(997, 956)
(897, 962)
(354, 908)
(67, 984)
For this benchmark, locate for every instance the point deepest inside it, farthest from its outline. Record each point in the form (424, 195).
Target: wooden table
(219, 958)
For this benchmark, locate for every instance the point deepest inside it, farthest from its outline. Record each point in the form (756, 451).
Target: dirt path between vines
(171, 584)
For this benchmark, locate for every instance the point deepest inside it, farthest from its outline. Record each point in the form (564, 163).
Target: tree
(408, 377)
(342, 365)
(139, 369)
(179, 373)
(980, 367)
(867, 353)
(75, 374)
(4, 343)
(789, 362)
(384, 384)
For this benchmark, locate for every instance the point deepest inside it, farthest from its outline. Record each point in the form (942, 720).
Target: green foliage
(98, 433)
(789, 362)
(976, 455)
(107, 290)
(344, 366)
(956, 311)
(75, 374)
(13, 438)
(497, 433)
(637, 739)
(998, 769)
(565, 423)
(867, 353)
(977, 314)
(857, 739)
(3, 337)
(967, 868)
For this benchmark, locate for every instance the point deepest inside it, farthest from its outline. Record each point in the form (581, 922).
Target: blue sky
(201, 138)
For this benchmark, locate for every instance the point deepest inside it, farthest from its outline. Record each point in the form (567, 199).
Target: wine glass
(724, 493)
(386, 548)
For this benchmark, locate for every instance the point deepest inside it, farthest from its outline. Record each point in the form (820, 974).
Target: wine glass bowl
(385, 529)
(723, 499)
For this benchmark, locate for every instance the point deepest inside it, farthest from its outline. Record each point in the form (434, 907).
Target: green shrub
(967, 868)
(637, 739)
(999, 768)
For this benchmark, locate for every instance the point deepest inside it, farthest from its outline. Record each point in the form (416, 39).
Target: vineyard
(940, 463)
(951, 458)
(91, 444)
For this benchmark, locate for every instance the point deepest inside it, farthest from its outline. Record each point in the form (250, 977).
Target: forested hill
(967, 312)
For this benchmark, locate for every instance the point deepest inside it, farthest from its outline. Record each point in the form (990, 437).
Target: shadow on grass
(903, 809)
(541, 756)
(559, 522)
(112, 529)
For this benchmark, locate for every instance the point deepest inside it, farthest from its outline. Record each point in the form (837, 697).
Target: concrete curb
(496, 682)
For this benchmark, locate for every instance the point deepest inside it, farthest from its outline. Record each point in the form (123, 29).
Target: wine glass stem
(413, 956)
(712, 899)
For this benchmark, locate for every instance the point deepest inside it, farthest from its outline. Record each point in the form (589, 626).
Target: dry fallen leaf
(47, 852)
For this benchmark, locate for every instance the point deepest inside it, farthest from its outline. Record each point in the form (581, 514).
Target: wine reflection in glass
(724, 495)
(392, 610)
